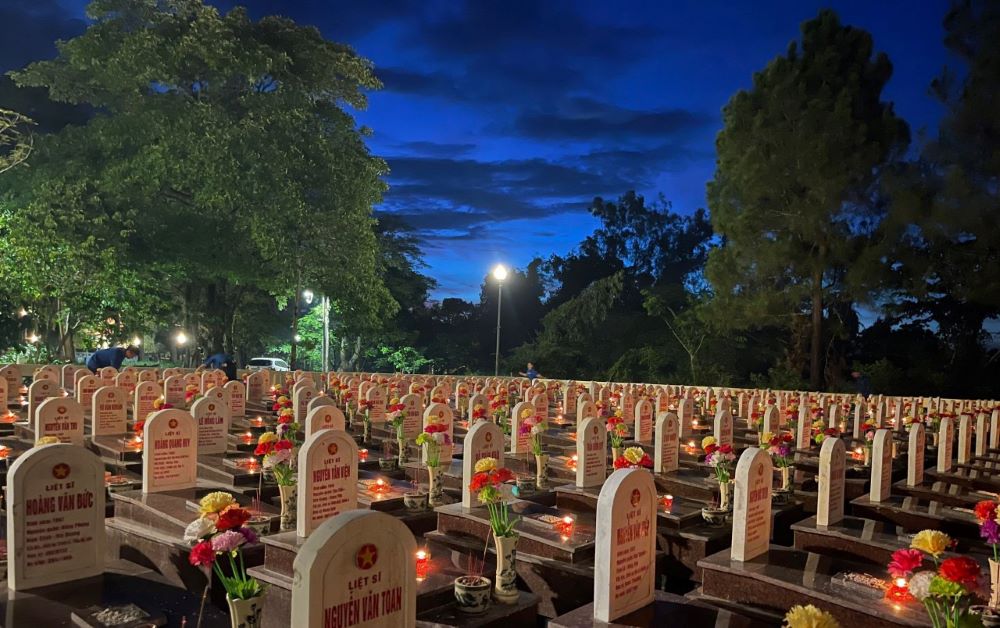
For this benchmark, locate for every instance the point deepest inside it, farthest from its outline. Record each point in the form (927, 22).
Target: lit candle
(363, 455)
(423, 563)
(572, 461)
(247, 438)
(258, 422)
(668, 502)
(565, 527)
(4, 452)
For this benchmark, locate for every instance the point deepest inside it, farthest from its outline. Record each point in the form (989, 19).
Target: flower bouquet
(478, 412)
(947, 592)
(830, 432)
(486, 483)
(434, 436)
(809, 616)
(617, 431)
(633, 458)
(394, 415)
(779, 446)
(281, 402)
(191, 394)
(499, 408)
(219, 531)
(279, 452)
(534, 427)
(365, 407)
(989, 530)
(720, 459)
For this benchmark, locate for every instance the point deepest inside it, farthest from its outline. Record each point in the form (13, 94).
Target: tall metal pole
(496, 365)
(326, 333)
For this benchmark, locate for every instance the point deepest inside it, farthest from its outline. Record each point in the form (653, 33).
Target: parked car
(275, 364)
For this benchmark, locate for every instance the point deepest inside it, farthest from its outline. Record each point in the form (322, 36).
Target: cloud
(589, 119)
(436, 149)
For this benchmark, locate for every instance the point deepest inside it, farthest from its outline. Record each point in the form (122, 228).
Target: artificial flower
(986, 510)
(633, 454)
(708, 441)
(227, 541)
(199, 528)
(47, 440)
(920, 584)
(202, 554)
(931, 542)
(960, 570)
(232, 517)
(486, 464)
(990, 531)
(215, 502)
(809, 616)
(904, 562)
(267, 437)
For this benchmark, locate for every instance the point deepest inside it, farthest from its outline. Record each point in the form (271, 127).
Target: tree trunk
(816, 344)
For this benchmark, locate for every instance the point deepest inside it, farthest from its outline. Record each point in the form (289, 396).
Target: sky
(502, 120)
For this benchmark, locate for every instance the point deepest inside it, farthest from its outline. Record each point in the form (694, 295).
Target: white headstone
(440, 413)
(772, 420)
(237, 398)
(376, 396)
(625, 562)
(520, 443)
(55, 516)
(915, 455)
(328, 478)
(667, 446)
(585, 408)
(881, 480)
(86, 386)
(832, 467)
(644, 421)
(169, 452)
(484, 440)
(324, 417)
(12, 375)
(946, 442)
(109, 413)
(964, 439)
(145, 394)
(303, 394)
(39, 391)
(257, 385)
(685, 413)
(61, 417)
(982, 434)
(723, 428)
(211, 413)
(356, 569)
(752, 505)
(591, 453)
(413, 414)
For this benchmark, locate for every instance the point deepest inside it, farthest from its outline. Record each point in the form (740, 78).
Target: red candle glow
(423, 563)
(668, 502)
(247, 438)
(363, 455)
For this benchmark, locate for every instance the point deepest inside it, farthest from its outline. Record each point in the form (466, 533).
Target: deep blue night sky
(502, 120)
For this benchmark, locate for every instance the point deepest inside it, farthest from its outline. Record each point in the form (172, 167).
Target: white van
(275, 364)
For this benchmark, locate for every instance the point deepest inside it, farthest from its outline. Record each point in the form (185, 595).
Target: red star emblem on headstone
(61, 410)
(172, 424)
(211, 407)
(489, 437)
(60, 471)
(332, 449)
(636, 497)
(367, 556)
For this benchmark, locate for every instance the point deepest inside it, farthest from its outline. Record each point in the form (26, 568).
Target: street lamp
(499, 273)
(181, 339)
(308, 296)
(137, 341)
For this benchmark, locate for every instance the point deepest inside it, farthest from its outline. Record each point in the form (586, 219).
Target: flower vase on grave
(435, 489)
(868, 456)
(994, 584)
(725, 488)
(786, 478)
(616, 453)
(402, 451)
(288, 506)
(783, 494)
(245, 613)
(541, 470)
(505, 591)
(934, 439)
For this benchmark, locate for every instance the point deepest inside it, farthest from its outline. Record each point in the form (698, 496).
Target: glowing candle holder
(572, 462)
(257, 422)
(135, 444)
(247, 438)
(10, 417)
(565, 527)
(5, 452)
(363, 455)
(423, 563)
(250, 464)
(898, 591)
(667, 501)
(380, 487)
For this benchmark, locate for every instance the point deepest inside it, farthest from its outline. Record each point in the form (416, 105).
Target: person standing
(224, 362)
(112, 356)
(531, 373)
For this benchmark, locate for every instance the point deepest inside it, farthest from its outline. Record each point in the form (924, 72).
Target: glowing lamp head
(500, 272)
(181, 339)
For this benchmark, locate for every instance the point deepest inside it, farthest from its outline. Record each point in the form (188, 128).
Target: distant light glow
(500, 272)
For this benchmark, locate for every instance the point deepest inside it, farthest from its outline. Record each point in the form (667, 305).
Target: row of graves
(175, 497)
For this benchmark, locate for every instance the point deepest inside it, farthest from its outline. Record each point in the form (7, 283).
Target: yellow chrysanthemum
(47, 440)
(708, 440)
(190, 388)
(158, 403)
(214, 503)
(766, 437)
(527, 413)
(267, 437)
(486, 464)
(282, 399)
(931, 542)
(286, 412)
(809, 617)
(633, 454)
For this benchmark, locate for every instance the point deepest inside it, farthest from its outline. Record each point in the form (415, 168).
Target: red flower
(904, 562)
(504, 475)
(961, 570)
(726, 449)
(283, 444)
(830, 431)
(202, 554)
(264, 448)
(479, 482)
(433, 428)
(285, 419)
(787, 437)
(139, 425)
(231, 518)
(166, 406)
(276, 406)
(710, 449)
(621, 463)
(986, 509)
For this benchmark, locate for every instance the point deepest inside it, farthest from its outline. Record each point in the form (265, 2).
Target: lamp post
(499, 273)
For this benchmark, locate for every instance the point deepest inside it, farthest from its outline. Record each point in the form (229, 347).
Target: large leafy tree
(797, 159)
(221, 158)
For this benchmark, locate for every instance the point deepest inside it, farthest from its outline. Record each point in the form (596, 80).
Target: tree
(221, 154)
(16, 139)
(797, 159)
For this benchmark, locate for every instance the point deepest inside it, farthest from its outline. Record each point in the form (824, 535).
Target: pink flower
(904, 562)
(228, 541)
